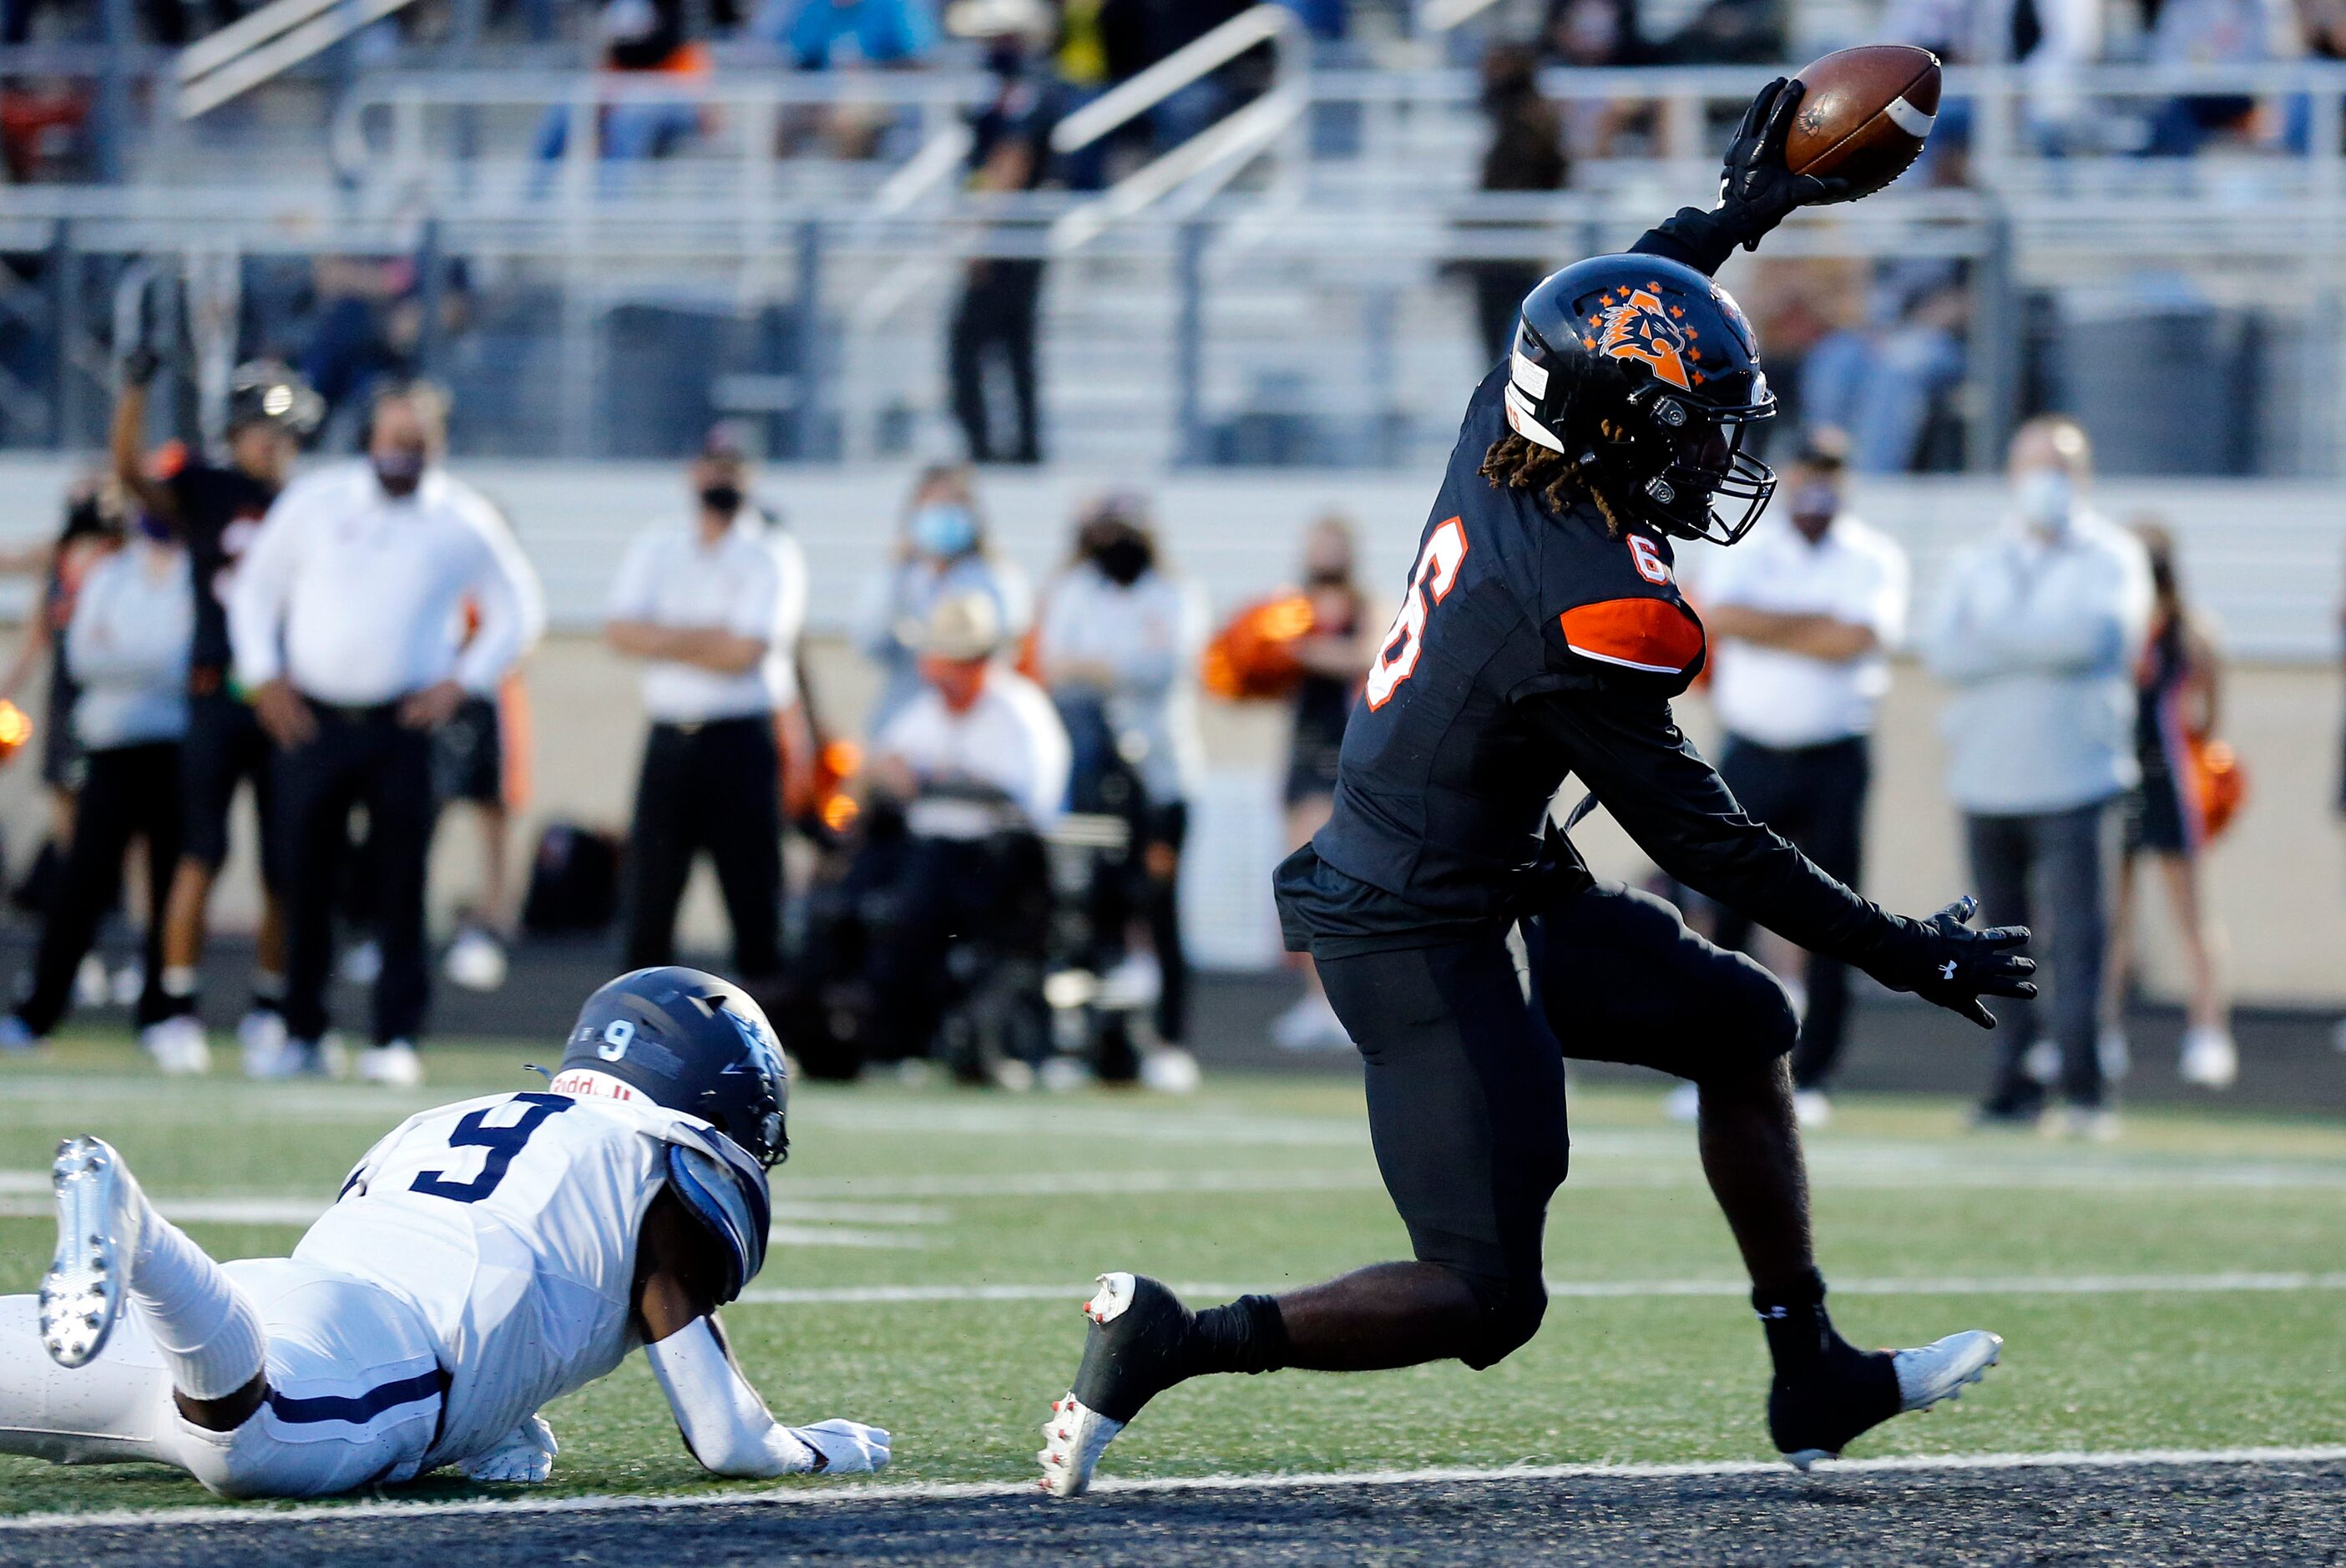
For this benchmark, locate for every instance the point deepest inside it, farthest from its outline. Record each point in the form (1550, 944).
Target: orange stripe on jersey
(1651, 635)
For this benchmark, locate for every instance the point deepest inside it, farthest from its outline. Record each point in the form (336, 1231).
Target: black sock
(1793, 1317)
(1247, 1336)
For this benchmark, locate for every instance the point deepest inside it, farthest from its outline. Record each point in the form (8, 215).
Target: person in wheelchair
(951, 889)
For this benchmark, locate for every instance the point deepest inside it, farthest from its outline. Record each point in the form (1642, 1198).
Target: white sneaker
(178, 1045)
(2042, 1061)
(100, 1216)
(92, 987)
(2116, 1051)
(292, 1058)
(1683, 1104)
(1310, 1024)
(1134, 983)
(476, 961)
(1811, 1108)
(261, 1033)
(1012, 1074)
(1061, 1075)
(395, 1066)
(1171, 1070)
(128, 981)
(362, 966)
(2210, 1059)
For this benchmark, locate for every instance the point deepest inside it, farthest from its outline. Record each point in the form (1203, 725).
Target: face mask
(1122, 560)
(399, 473)
(724, 498)
(944, 529)
(2044, 497)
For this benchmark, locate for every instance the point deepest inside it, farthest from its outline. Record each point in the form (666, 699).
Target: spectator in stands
(884, 32)
(1336, 656)
(2179, 685)
(2036, 630)
(940, 553)
(1116, 646)
(643, 42)
(983, 743)
(93, 531)
(705, 604)
(2210, 32)
(346, 618)
(1001, 299)
(1525, 152)
(1889, 375)
(1802, 617)
(133, 623)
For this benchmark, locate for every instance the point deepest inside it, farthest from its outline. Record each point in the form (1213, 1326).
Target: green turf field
(2176, 1290)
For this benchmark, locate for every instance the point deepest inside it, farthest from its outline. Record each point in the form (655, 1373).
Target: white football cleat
(178, 1045)
(1072, 1441)
(99, 1216)
(1944, 1367)
(1121, 1369)
(476, 960)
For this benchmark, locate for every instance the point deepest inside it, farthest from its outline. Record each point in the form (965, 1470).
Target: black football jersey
(219, 510)
(1532, 647)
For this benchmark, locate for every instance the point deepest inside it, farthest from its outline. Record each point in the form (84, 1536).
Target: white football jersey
(510, 1223)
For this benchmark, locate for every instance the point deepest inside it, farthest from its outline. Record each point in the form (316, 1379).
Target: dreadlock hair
(1515, 463)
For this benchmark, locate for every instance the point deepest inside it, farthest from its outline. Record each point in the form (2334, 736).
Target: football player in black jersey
(215, 509)
(1543, 636)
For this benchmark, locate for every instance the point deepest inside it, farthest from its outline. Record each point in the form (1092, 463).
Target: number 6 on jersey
(1437, 570)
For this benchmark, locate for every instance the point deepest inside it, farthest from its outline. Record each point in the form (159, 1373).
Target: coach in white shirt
(1802, 616)
(712, 605)
(347, 622)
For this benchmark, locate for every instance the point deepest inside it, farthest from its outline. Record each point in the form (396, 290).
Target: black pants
(997, 313)
(922, 895)
(1466, 1079)
(2050, 871)
(714, 787)
(361, 757)
(1814, 795)
(1131, 888)
(129, 792)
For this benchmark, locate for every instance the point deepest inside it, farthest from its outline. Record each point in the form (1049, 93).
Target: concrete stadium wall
(2266, 558)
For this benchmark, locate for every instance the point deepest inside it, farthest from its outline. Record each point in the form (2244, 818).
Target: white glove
(848, 1448)
(526, 1455)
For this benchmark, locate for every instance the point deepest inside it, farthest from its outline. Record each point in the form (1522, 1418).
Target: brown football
(1864, 115)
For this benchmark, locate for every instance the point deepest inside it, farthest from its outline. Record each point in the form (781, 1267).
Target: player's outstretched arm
(1679, 811)
(1756, 191)
(726, 1426)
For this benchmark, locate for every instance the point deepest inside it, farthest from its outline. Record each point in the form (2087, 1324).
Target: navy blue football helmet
(693, 1043)
(1644, 372)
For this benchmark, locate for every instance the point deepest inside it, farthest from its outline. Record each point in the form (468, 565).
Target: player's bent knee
(1510, 1313)
(1754, 1026)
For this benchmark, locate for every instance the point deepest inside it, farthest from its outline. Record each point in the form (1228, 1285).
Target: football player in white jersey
(483, 1260)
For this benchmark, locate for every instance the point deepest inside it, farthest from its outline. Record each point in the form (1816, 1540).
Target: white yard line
(854, 1492)
(2272, 1283)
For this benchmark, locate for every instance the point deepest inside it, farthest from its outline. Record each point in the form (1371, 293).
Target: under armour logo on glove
(1961, 965)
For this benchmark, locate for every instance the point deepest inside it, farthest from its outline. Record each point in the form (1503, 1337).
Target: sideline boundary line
(2277, 1282)
(845, 1493)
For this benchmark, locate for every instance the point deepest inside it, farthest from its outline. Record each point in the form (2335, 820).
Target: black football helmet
(271, 392)
(692, 1043)
(1644, 372)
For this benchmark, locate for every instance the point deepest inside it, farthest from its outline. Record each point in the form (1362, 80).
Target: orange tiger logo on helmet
(1640, 327)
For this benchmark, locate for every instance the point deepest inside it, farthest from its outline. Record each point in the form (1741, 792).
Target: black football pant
(716, 786)
(1814, 795)
(2050, 870)
(131, 793)
(361, 757)
(997, 315)
(1465, 1075)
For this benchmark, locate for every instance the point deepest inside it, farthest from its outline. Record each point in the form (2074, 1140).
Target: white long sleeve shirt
(1148, 634)
(133, 623)
(357, 597)
(2038, 639)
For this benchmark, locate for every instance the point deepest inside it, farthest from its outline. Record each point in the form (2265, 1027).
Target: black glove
(1754, 189)
(1945, 963)
(139, 365)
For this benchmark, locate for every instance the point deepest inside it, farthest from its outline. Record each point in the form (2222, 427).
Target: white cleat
(98, 1214)
(1943, 1369)
(395, 1066)
(1072, 1441)
(2209, 1059)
